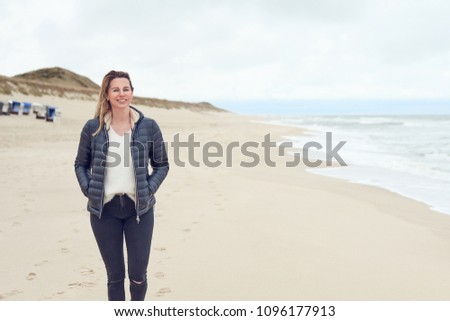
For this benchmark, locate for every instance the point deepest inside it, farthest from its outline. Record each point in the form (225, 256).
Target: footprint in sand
(40, 263)
(187, 230)
(31, 276)
(8, 294)
(162, 261)
(82, 284)
(160, 248)
(86, 271)
(163, 291)
(159, 275)
(64, 250)
(16, 224)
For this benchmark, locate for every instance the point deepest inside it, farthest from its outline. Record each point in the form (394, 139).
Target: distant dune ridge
(61, 82)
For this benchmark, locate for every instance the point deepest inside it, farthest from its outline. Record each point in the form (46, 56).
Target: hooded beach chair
(50, 113)
(39, 110)
(6, 110)
(15, 107)
(26, 108)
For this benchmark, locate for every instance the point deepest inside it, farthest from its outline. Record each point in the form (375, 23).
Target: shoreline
(432, 206)
(416, 187)
(225, 233)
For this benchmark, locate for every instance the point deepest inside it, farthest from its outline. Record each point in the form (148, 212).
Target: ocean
(408, 155)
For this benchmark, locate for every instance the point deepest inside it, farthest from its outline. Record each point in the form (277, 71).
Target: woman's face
(119, 93)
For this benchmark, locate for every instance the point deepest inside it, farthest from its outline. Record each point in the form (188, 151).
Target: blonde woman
(112, 168)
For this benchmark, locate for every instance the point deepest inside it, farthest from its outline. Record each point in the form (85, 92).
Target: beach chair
(57, 117)
(26, 108)
(15, 107)
(39, 110)
(50, 113)
(6, 110)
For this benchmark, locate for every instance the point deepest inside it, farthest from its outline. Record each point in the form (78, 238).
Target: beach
(221, 233)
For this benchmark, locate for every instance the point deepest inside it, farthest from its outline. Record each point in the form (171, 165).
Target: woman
(112, 170)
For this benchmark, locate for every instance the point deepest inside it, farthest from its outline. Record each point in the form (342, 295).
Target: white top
(119, 170)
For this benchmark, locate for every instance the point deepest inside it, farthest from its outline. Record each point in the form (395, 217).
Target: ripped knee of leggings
(138, 281)
(115, 282)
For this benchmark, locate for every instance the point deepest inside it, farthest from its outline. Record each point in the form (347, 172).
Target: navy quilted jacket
(147, 146)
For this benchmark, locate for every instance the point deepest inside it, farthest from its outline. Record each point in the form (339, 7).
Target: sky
(240, 53)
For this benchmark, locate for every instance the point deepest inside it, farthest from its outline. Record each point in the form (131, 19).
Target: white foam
(409, 155)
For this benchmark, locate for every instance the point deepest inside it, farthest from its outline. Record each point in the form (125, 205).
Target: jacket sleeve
(83, 160)
(158, 159)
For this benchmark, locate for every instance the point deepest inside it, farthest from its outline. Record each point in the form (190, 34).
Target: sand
(223, 233)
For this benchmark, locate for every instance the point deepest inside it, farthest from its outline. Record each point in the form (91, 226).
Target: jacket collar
(134, 117)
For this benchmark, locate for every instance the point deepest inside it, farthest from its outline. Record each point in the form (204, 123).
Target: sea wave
(409, 155)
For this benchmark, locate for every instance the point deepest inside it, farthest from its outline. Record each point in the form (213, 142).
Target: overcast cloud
(239, 50)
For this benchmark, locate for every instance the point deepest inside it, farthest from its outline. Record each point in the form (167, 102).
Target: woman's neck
(120, 116)
(121, 121)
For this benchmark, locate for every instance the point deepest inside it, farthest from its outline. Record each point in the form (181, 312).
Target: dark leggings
(119, 219)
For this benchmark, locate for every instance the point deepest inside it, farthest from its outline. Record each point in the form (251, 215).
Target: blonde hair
(103, 105)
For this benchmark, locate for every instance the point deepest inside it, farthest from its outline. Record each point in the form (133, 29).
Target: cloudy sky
(253, 50)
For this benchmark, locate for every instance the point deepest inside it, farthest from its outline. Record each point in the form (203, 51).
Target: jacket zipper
(138, 219)
(103, 183)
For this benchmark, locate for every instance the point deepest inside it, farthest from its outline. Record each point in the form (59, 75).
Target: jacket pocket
(149, 189)
(88, 188)
(92, 204)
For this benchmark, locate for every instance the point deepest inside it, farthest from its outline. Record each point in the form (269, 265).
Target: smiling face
(120, 93)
